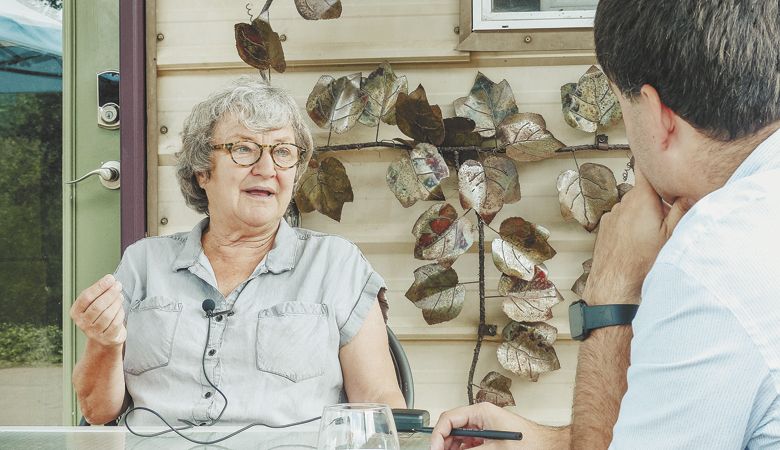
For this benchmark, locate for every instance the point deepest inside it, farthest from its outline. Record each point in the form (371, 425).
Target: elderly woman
(297, 324)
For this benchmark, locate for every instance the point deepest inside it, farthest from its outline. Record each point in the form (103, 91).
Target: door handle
(108, 173)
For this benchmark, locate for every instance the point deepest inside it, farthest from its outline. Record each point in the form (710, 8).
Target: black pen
(483, 434)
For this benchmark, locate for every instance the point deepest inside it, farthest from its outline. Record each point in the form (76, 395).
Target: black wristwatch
(584, 318)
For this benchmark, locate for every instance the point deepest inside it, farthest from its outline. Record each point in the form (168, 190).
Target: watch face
(576, 320)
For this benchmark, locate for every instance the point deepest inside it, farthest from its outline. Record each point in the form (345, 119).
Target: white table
(115, 438)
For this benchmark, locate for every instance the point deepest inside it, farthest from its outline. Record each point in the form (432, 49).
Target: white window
(532, 14)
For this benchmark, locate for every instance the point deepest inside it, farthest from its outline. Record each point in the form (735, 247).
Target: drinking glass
(351, 426)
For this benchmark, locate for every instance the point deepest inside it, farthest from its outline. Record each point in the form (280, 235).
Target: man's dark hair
(714, 63)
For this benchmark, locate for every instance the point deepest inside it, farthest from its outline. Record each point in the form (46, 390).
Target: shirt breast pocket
(292, 340)
(151, 329)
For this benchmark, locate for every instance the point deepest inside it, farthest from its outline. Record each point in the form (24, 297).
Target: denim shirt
(275, 356)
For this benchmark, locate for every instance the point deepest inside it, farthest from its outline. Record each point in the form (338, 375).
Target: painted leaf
(336, 103)
(319, 9)
(528, 349)
(579, 285)
(488, 185)
(587, 195)
(418, 176)
(324, 187)
(259, 46)
(441, 236)
(590, 104)
(459, 132)
(418, 119)
(528, 238)
(511, 260)
(494, 388)
(381, 88)
(527, 138)
(488, 104)
(529, 301)
(436, 291)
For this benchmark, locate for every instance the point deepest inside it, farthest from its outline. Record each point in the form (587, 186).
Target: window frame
(527, 46)
(487, 21)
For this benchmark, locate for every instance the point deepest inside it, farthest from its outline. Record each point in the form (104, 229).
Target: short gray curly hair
(259, 106)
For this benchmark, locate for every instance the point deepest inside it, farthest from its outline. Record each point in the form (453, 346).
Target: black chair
(403, 372)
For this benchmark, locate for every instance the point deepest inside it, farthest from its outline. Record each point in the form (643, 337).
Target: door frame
(133, 114)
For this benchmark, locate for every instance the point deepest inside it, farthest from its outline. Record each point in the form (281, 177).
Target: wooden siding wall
(197, 55)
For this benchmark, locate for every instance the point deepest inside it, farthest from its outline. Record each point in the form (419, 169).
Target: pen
(484, 434)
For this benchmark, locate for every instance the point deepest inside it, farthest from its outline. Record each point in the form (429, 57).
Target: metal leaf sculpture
(336, 103)
(418, 176)
(579, 285)
(488, 185)
(441, 236)
(259, 46)
(511, 260)
(528, 237)
(418, 119)
(459, 132)
(381, 88)
(436, 291)
(488, 104)
(494, 388)
(529, 301)
(588, 194)
(528, 349)
(324, 187)
(319, 9)
(527, 138)
(590, 104)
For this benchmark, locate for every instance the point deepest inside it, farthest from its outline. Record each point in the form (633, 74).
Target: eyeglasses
(247, 153)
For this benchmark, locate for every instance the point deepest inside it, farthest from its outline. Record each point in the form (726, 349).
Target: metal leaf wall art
(319, 9)
(495, 388)
(488, 104)
(527, 138)
(418, 119)
(486, 186)
(441, 235)
(528, 349)
(417, 176)
(325, 187)
(336, 104)
(436, 291)
(259, 46)
(529, 301)
(579, 286)
(587, 194)
(382, 87)
(590, 105)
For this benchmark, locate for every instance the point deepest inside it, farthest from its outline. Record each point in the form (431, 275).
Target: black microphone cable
(208, 306)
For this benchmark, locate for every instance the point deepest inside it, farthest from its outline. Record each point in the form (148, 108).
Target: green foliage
(22, 345)
(31, 208)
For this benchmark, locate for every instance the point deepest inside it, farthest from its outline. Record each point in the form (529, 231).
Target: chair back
(403, 370)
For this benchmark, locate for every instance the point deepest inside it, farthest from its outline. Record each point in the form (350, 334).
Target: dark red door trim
(132, 134)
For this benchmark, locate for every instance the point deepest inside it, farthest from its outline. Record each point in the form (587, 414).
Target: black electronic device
(410, 419)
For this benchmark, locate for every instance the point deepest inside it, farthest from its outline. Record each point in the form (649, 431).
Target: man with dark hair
(699, 366)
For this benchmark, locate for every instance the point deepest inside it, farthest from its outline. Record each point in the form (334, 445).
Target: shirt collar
(766, 155)
(281, 258)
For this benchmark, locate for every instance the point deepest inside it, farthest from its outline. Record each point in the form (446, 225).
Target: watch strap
(600, 316)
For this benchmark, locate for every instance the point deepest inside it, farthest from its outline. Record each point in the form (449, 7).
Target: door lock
(108, 99)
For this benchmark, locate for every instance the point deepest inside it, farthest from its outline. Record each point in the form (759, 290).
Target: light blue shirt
(275, 355)
(705, 357)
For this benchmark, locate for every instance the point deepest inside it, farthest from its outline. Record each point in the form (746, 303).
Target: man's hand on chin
(629, 239)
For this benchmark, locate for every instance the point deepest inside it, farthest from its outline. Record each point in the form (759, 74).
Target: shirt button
(208, 394)
(212, 352)
(219, 318)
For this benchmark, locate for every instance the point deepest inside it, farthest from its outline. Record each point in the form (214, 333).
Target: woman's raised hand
(98, 312)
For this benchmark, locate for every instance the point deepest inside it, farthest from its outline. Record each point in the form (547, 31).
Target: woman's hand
(487, 416)
(98, 312)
